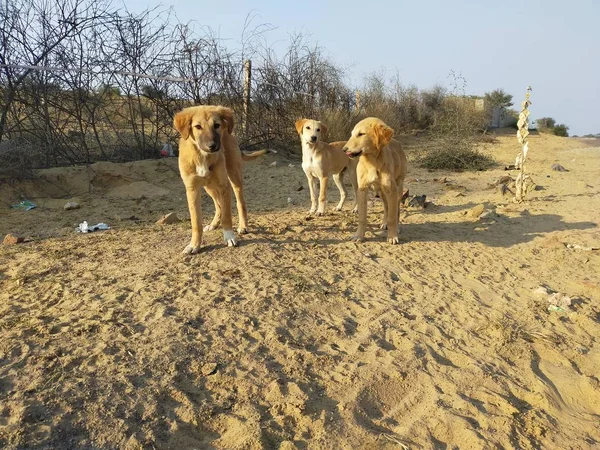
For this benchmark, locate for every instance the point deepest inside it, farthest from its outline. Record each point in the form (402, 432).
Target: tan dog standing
(321, 160)
(209, 156)
(381, 166)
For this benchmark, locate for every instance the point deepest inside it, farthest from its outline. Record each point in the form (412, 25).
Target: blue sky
(552, 45)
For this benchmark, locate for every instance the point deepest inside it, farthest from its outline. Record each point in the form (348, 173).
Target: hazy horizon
(509, 46)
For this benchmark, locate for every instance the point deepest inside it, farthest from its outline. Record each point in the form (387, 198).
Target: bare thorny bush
(92, 108)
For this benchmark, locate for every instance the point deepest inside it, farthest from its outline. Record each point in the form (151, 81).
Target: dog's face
(369, 136)
(205, 125)
(310, 131)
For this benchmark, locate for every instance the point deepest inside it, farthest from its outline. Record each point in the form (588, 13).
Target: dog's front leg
(391, 198)
(194, 199)
(322, 195)
(226, 219)
(362, 215)
(312, 187)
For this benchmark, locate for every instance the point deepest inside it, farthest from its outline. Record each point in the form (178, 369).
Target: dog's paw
(393, 240)
(191, 249)
(355, 209)
(383, 226)
(229, 238)
(319, 213)
(357, 238)
(242, 230)
(338, 208)
(209, 227)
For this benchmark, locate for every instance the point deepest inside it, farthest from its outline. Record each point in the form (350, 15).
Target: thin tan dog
(321, 160)
(208, 156)
(381, 166)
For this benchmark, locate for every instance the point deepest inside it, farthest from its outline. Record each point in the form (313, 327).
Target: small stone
(71, 205)
(416, 201)
(300, 188)
(476, 211)
(558, 168)
(209, 369)
(290, 201)
(290, 165)
(12, 239)
(273, 164)
(168, 219)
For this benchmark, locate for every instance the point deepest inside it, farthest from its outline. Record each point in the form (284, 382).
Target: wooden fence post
(247, 85)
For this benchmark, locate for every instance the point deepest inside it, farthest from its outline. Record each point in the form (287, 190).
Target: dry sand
(300, 338)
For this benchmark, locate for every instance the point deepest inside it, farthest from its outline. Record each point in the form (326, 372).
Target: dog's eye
(308, 128)
(198, 127)
(217, 125)
(318, 129)
(360, 134)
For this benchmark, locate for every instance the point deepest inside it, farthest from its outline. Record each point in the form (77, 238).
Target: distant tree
(498, 97)
(561, 130)
(546, 123)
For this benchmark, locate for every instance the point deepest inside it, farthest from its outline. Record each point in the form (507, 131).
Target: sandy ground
(299, 338)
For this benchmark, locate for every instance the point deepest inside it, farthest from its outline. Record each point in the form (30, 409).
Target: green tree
(546, 123)
(498, 97)
(561, 130)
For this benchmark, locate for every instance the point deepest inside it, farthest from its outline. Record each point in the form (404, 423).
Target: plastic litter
(85, 228)
(25, 205)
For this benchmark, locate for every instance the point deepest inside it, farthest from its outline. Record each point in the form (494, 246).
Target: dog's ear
(323, 129)
(183, 123)
(299, 125)
(383, 135)
(227, 116)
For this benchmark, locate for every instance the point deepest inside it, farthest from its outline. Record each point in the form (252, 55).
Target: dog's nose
(313, 138)
(212, 147)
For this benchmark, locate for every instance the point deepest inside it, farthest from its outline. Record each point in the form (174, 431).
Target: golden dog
(321, 160)
(382, 167)
(208, 156)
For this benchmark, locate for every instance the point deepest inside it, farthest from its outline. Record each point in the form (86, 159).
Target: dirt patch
(299, 338)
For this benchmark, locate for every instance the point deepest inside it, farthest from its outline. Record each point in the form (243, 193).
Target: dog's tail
(256, 154)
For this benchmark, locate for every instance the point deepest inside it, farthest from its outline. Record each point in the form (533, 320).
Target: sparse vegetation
(90, 108)
(549, 125)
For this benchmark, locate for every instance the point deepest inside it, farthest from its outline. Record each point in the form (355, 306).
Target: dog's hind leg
(338, 178)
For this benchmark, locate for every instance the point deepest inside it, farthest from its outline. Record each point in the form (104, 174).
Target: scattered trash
(476, 211)
(12, 239)
(416, 201)
(71, 205)
(290, 165)
(558, 168)
(581, 247)
(559, 300)
(273, 164)
(441, 180)
(168, 219)
(290, 201)
(25, 204)
(85, 228)
(167, 150)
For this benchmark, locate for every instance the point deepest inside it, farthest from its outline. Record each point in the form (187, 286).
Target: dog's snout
(313, 139)
(213, 146)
